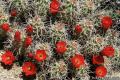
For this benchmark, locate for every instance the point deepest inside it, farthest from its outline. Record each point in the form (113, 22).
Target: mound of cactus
(60, 39)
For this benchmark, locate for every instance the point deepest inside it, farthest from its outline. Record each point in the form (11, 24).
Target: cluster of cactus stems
(48, 28)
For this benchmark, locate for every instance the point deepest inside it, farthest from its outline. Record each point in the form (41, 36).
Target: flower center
(99, 72)
(77, 61)
(8, 58)
(29, 68)
(40, 55)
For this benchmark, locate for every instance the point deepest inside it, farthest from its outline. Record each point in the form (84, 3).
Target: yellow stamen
(40, 55)
(29, 68)
(8, 58)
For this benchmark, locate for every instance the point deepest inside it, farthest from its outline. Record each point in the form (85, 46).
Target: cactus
(57, 39)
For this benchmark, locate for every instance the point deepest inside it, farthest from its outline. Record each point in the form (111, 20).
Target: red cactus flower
(54, 6)
(77, 61)
(97, 59)
(61, 47)
(106, 22)
(108, 51)
(8, 58)
(28, 41)
(29, 68)
(30, 55)
(13, 13)
(5, 27)
(17, 36)
(29, 28)
(78, 29)
(40, 55)
(101, 71)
